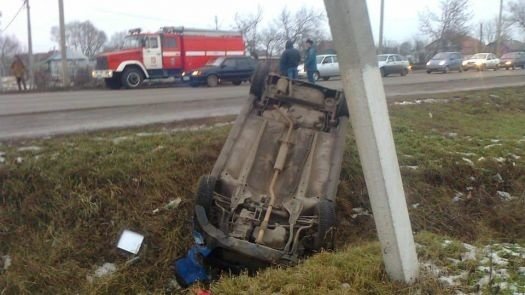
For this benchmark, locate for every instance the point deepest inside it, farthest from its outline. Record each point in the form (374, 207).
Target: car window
(152, 42)
(229, 63)
(334, 58)
(244, 63)
(397, 58)
(390, 59)
(327, 60)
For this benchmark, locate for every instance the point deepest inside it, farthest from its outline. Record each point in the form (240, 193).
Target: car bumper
(436, 67)
(196, 80)
(102, 74)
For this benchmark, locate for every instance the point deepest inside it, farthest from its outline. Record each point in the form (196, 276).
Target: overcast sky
(401, 16)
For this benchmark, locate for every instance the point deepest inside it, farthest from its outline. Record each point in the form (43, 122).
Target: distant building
(76, 61)
(506, 46)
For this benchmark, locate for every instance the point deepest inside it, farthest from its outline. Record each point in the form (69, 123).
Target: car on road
(235, 69)
(444, 62)
(513, 60)
(270, 197)
(482, 62)
(327, 67)
(393, 64)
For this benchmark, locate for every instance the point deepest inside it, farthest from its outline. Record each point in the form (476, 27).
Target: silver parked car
(445, 62)
(393, 64)
(327, 67)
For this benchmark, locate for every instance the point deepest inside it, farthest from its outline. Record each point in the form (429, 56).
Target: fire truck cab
(167, 53)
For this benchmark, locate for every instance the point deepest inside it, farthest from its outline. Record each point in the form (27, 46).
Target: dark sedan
(235, 69)
(513, 60)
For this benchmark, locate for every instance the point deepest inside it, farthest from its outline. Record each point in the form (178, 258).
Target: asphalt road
(43, 114)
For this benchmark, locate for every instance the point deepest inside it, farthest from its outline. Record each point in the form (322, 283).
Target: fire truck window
(169, 42)
(152, 42)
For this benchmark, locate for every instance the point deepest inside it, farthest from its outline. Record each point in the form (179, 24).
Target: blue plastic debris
(190, 269)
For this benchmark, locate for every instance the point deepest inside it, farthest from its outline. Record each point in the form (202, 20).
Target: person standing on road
(310, 61)
(19, 69)
(290, 61)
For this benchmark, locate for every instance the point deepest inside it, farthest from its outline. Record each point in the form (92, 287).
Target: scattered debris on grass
(492, 145)
(504, 196)
(105, 270)
(130, 241)
(120, 139)
(6, 262)
(2, 157)
(30, 149)
(359, 212)
(409, 167)
(173, 204)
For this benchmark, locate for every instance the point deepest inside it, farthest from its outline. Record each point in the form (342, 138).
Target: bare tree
(270, 41)
(490, 30)
(449, 25)
(304, 23)
(9, 46)
(516, 13)
(83, 36)
(116, 41)
(248, 25)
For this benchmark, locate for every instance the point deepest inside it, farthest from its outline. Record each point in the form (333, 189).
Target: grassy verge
(64, 201)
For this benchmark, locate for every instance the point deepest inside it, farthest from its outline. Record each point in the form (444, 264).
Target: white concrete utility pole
(498, 33)
(63, 49)
(381, 27)
(31, 79)
(365, 95)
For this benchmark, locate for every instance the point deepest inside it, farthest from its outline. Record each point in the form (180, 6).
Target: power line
(14, 17)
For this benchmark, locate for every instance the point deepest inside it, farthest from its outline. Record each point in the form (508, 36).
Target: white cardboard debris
(130, 241)
(6, 262)
(504, 196)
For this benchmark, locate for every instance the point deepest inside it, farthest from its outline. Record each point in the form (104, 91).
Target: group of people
(291, 58)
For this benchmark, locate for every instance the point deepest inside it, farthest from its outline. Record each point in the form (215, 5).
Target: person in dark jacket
(290, 61)
(310, 61)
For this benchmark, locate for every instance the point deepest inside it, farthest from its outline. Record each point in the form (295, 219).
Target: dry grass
(63, 207)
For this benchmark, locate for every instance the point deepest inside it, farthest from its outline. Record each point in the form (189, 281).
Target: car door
(152, 53)
(228, 70)
(457, 61)
(245, 68)
(398, 63)
(324, 67)
(336, 66)
(390, 65)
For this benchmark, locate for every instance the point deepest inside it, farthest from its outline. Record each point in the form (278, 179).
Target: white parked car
(393, 64)
(327, 67)
(481, 62)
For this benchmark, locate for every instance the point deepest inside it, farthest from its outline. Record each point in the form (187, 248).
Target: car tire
(113, 83)
(205, 190)
(429, 71)
(237, 82)
(326, 78)
(258, 80)
(212, 80)
(461, 69)
(132, 78)
(446, 70)
(404, 72)
(325, 210)
(496, 68)
(383, 73)
(317, 76)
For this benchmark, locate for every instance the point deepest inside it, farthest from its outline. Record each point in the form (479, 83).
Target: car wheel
(483, 67)
(205, 190)
(326, 78)
(212, 81)
(496, 68)
(316, 76)
(132, 78)
(461, 69)
(237, 82)
(429, 71)
(404, 72)
(326, 213)
(258, 80)
(383, 73)
(446, 70)
(112, 83)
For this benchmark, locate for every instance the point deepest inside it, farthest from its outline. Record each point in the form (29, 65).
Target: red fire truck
(167, 53)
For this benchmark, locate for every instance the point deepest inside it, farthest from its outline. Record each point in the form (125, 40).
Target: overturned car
(270, 198)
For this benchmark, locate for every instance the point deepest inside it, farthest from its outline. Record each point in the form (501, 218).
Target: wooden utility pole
(29, 47)
(381, 26)
(63, 49)
(366, 99)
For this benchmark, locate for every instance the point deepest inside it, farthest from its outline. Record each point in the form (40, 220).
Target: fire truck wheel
(213, 81)
(132, 78)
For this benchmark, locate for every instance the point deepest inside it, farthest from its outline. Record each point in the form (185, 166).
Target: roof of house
(70, 55)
